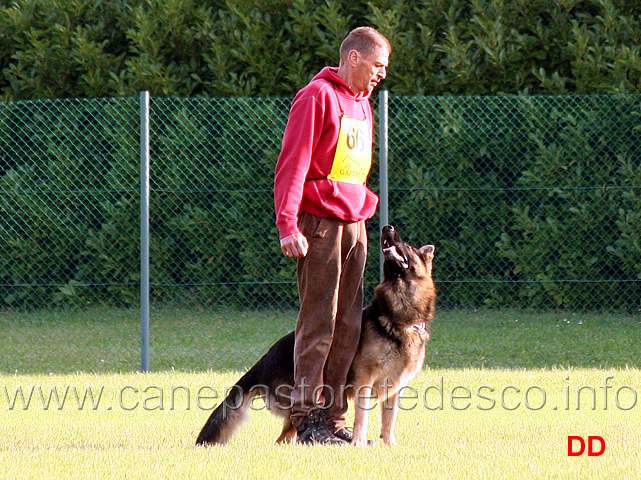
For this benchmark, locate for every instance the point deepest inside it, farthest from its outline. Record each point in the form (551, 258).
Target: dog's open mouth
(390, 249)
(393, 252)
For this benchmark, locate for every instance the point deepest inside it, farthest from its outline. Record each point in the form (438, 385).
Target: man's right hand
(294, 246)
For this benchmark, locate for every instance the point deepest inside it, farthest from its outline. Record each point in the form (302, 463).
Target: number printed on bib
(353, 157)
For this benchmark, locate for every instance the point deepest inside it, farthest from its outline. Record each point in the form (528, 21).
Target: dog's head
(407, 276)
(403, 260)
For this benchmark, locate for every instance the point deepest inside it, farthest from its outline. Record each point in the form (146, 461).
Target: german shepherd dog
(390, 353)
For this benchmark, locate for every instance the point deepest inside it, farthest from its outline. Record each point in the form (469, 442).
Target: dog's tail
(231, 413)
(273, 370)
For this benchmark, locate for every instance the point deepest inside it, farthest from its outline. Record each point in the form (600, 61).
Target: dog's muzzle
(389, 243)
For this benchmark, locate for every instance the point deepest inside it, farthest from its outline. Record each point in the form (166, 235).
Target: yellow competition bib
(353, 157)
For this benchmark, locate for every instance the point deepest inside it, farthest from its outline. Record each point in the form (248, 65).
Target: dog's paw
(363, 442)
(359, 442)
(390, 440)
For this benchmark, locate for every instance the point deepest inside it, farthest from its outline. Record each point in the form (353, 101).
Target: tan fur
(381, 367)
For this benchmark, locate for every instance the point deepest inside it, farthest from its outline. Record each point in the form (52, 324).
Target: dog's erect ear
(427, 251)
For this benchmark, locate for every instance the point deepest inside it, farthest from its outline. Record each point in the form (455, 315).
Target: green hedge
(527, 196)
(102, 48)
(531, 201)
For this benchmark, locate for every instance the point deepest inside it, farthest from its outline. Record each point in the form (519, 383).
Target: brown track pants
(330, 285)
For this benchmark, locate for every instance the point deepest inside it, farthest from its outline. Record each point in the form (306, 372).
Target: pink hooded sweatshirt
(307, 155)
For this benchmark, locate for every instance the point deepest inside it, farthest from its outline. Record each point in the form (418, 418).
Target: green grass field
(500, 395)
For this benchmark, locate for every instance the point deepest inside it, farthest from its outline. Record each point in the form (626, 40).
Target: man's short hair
(364, 40)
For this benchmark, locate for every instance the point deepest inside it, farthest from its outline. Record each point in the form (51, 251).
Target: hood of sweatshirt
(308, 152)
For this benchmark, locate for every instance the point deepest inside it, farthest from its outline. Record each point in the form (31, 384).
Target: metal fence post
(144, 230)
(383, 150)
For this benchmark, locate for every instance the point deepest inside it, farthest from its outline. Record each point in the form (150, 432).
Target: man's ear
(353, 57)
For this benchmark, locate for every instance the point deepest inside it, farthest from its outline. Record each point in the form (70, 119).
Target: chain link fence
(532, 202)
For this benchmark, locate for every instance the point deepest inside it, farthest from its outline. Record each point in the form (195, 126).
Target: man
(322, 203)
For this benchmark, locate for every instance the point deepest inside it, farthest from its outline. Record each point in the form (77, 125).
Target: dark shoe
(344, 433)
(347, 435)
(315, 430)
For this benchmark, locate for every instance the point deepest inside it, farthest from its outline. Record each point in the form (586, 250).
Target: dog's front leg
(362, 402)
(389, 413)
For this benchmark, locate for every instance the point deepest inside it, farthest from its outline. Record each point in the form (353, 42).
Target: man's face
(371, 69)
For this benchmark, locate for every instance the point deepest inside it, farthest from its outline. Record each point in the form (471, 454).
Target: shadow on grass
(108, 341)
